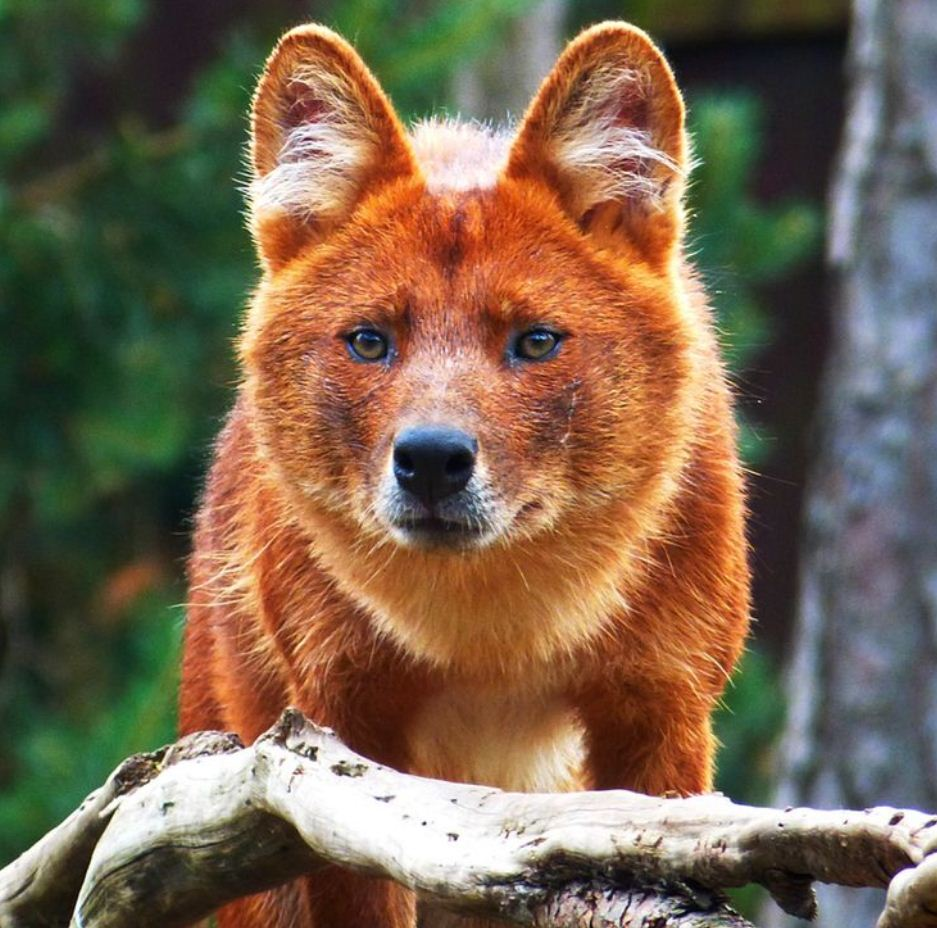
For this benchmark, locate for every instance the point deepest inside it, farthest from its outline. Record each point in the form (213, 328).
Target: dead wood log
(216, 821)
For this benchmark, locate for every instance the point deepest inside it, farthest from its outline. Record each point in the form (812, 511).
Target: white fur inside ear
(603, 158)
(323, 159)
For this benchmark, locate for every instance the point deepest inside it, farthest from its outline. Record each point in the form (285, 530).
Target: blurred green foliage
(737, 241)
(123, 268)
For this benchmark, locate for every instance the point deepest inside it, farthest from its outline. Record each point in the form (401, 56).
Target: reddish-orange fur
(611, 602)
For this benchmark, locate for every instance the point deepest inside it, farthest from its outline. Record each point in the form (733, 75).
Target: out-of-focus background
(125, 264)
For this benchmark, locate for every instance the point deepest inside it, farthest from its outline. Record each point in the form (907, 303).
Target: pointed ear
(606, 133)
(323, 134)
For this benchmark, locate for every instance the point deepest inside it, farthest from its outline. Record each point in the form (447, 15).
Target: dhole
(477, 507)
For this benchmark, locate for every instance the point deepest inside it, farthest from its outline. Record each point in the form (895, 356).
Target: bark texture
(173, 836)
(863, 689)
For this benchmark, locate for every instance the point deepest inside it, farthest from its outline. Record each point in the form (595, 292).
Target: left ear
(606, 133)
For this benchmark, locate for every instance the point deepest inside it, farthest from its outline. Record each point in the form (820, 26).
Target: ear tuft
(606, 132)
(323, 134)
(603, 144)
(325, 146)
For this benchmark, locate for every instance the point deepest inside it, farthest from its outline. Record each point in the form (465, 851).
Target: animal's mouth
(437, 532)
(455, 530)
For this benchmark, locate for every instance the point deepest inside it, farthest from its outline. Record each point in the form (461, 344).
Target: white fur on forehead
(458, 155)
(604, 159)
(321, 162)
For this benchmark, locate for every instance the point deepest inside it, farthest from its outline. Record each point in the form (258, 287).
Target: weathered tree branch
(172, 836)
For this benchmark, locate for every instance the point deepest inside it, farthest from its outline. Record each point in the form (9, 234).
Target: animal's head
(461, 338)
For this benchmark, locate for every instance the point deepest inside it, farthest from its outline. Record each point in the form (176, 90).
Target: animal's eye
(368, 345)
(536, 344)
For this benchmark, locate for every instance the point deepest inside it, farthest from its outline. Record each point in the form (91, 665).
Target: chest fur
(504, 737)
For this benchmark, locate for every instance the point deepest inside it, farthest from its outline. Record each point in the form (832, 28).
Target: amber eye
(368, 345)
(536, 345)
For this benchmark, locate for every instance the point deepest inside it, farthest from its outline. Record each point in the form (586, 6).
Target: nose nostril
(459, 464)
(403, 463)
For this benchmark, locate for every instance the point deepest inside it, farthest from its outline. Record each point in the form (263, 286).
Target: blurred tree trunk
(862, 725)
(502, 83)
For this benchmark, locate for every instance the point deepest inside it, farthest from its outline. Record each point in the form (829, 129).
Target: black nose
(433, 461)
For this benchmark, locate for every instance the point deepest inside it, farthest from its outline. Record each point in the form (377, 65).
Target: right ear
(323, 134)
